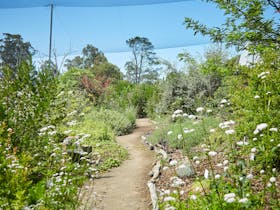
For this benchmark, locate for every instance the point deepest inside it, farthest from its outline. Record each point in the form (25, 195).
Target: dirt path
(125, 187)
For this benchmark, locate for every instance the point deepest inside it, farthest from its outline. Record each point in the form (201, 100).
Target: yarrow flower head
(229, 198)
(169, 133)
(242, 143)
(257, 97)
(200, 109)
(226, 124)
(178, 111)
(212, 153)
(193, 197)
(249, 176)
(243, 200)
(260, 127)
(206, 174)
(212, 130)
(263, 74)
(272, 179)
(273, 129)
(229, 132)
(223, 101)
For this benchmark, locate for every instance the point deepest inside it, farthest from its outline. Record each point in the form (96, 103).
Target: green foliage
(197, 83)
(123, 95)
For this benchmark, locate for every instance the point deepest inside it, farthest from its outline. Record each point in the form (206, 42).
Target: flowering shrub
(239, 158)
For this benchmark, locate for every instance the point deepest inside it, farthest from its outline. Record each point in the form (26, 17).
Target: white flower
(229, 198)
(206, 174)
(180, 136)
(242, 143)
(262, 171)
(212, 153)
(10, 130)
(209, 110)
(229, 132)
(226, 124)
(272, 179)
(253, 150)
(67, 132)
(188, 131)
(225, 168)
(252, 156)
(268, 93)
(249, 176)
(219, 165)
(271, 140)
(200, 109)
(217, 176)
(262, 75)
(169, 133)
(169, 198)
(178, 111)
(167, 192)
(212, 130)
(260, 127)
(74, 122)
(191, 116)
(197, 162)
(255, 139)
(43, 129)
(257, 97)
(269, 184)
(51, 133)
(195, 158)
(225, 162)
(72, 113)
(223, 101)
(274, 170)
(193, 197)
(273, 129)
(243, 200)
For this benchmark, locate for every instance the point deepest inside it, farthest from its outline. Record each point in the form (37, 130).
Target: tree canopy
(142, 67)
(247, 25)
(90, 56)
(13, 51)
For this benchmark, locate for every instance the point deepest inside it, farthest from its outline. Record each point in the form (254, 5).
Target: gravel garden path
(125, 187)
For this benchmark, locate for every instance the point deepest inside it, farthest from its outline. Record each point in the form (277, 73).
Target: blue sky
(107, 28)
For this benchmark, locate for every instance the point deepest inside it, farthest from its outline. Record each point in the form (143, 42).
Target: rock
(184, 170)
(76, 154)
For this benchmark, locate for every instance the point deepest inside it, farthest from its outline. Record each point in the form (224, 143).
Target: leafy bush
(114, 120)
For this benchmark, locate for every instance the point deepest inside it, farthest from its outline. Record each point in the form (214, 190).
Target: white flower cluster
(263, 74)
(229, 198)
(177, 113)
(260, 127)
